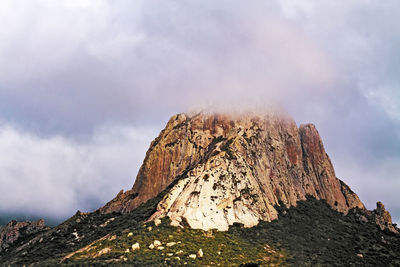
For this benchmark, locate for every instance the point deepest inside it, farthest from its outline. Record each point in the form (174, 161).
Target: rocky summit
(234, 169)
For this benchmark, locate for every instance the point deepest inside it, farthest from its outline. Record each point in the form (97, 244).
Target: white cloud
(115, 58)
(55, 176)
(387, 98)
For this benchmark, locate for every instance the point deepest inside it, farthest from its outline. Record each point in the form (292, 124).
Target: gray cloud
(56, 176)
(116, 65)
(71, 67)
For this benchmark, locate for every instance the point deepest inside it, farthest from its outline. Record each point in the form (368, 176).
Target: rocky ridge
(234, 168)
(15, 230)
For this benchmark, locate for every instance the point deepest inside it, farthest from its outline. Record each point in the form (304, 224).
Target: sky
(86, 85)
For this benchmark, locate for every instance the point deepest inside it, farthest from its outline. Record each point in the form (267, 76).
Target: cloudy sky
(86, 85)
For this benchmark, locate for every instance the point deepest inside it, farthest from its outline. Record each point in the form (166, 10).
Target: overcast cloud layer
(86, 85)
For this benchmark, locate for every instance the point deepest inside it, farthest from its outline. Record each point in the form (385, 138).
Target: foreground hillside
(310, 234)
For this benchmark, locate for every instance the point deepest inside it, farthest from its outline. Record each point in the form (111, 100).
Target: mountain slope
(310, 234)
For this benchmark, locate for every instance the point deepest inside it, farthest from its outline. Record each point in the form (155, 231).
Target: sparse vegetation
(219, 248)
(311, 234)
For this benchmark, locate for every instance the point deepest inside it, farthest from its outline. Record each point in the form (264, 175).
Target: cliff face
(180, 146)
(234, 169)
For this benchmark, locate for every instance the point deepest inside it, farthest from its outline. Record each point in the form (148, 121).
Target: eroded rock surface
(234, 168)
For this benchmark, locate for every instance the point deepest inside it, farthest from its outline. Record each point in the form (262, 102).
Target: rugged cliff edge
(234, 168)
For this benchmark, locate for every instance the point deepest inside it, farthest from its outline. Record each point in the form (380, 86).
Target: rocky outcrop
(234, 168)
(15, 230)
(383, 218)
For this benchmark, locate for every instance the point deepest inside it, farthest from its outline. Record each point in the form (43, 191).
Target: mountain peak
(226, 168)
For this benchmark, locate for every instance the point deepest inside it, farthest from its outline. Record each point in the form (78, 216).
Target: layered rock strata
(234, 168)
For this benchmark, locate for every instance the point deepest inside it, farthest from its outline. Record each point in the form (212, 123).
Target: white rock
(151, 246)
(170, 244)
(76, 235)
(200, 253)
(206, 206)
(179, 252)
(192, 256)
(130, 234)
(170, 254)
(107, 222)
(135, 246)
(149, 228)
(157, 243)
(160, 248)
(103, 251)
(157, 222)
(178, 258)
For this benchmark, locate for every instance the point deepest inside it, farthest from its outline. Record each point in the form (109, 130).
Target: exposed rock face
(15, 230)
(383, 218)
(234, 169)
(180, 146)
